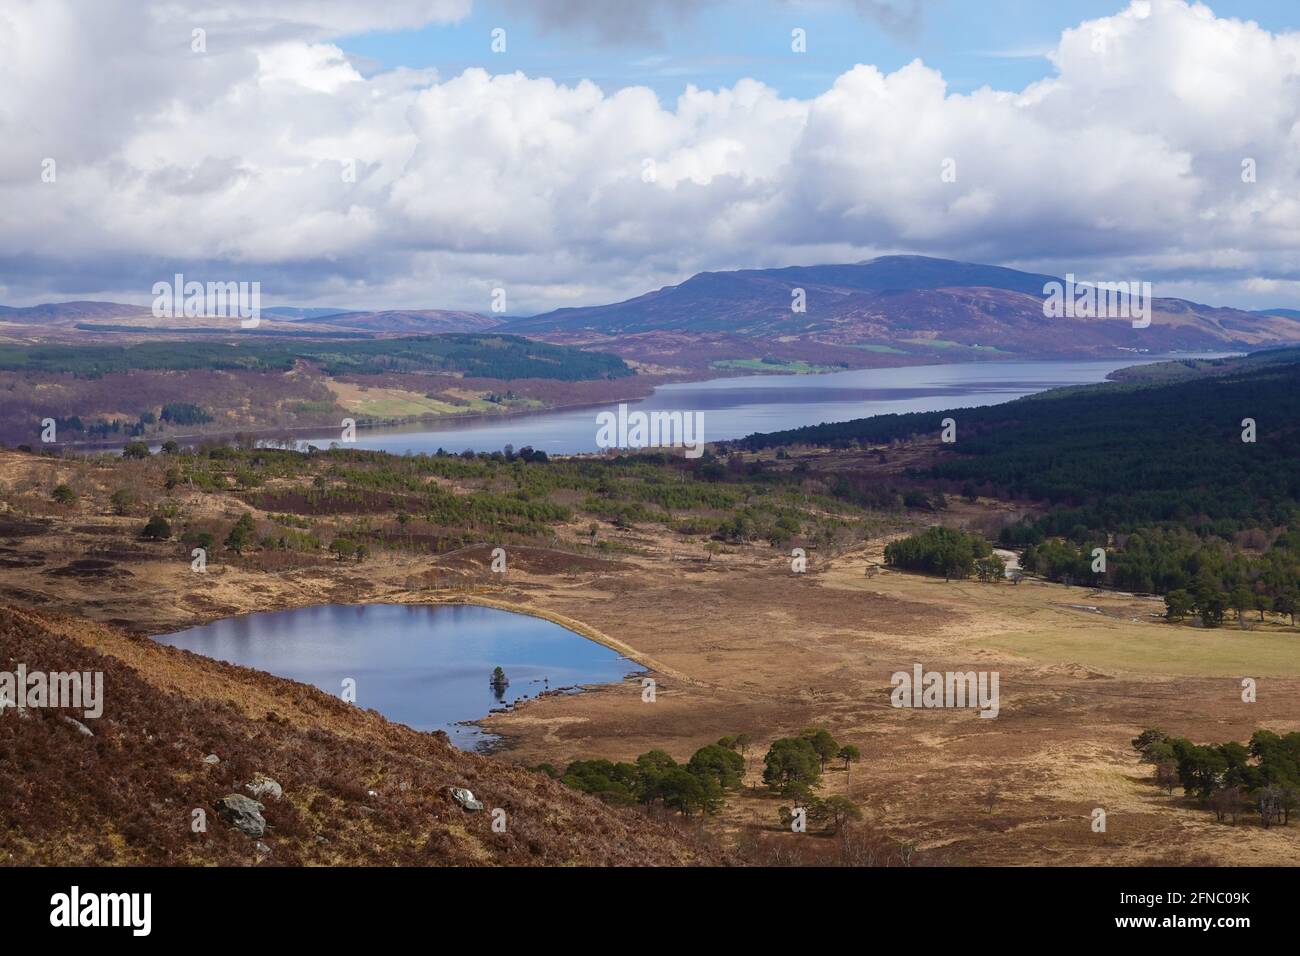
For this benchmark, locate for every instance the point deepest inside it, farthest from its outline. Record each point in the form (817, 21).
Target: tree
(718, 763)
(122, 501)
(198, 539)
(1178, 604)
(848, 753)
(939, 550)
(991, 568)
(157, 529)
(241, 535)
(687, 793)
(1241, 598)
(791, 762)
(135, 449)
(343, 548)
(823, 743)
(1287, 603)
(1268, 803)
(1199, 768)
(612, 782)
(742, 743)
(1228, 802)
(63, 495)
(1167, 775)
(1211, 602)
(840, 809)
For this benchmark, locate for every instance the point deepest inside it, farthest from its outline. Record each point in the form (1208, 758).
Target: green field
(944, 344)
(473, 354)
(765, 365)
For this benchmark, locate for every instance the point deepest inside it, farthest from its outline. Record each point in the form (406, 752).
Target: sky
(428, 153)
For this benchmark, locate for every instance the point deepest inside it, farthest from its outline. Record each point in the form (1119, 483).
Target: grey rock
(243, 813)
(465, 798)
(263, 786)
(81, 728)
(212, 758)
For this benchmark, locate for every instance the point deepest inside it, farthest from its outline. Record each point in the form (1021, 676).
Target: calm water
(736, 407)
(426, 667)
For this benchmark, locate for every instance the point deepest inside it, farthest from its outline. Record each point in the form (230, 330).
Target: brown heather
(126, 795)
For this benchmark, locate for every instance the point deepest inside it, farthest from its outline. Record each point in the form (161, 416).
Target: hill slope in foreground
(357, 789)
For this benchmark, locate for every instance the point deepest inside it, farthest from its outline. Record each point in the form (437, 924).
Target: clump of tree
(184, 413)
(157, 529)
(63, 495)
(348, 549)
(242, 535)
(698, 786)
(793, 768)
(939, 550)
(1230, 778)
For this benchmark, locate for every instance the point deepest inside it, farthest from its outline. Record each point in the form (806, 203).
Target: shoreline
(421, 424)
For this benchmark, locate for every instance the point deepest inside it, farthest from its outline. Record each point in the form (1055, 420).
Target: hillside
(61, 319)
(357, 789)
(908, 306)
(411, 321)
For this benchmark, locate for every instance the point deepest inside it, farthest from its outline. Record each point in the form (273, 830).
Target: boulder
(466, 799)
(263, 786)
(81, 728)
(243, 813)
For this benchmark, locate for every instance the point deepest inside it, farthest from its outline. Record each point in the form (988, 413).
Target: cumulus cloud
(271, 157)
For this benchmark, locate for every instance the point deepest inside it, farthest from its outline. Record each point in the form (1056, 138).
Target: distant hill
(910, 305)
(411, 321)
(293, 312)
(106, 317)
(69, 312)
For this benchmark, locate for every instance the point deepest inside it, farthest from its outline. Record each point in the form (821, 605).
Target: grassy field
(400, 403)
(758, 365)
(945, 345)
(737, 641)
(882, 349)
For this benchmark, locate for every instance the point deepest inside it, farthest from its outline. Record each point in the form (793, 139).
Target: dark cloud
(609, 21)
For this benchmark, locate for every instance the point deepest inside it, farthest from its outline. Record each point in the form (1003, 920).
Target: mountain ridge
(913, 306)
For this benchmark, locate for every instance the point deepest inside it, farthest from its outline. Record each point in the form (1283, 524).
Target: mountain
(902, 305)
(87, 316)
(67, 313)
(411, 321)
(294, 312)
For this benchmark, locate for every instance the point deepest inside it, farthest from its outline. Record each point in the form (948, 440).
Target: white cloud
(1128, 161)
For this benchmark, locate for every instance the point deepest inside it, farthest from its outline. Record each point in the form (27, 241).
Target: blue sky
(974, 43)
(380, 155)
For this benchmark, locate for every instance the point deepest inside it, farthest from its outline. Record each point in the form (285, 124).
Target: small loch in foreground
(427, 667)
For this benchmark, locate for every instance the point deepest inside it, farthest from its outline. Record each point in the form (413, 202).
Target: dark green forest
(1160, 475)
(472, 354)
